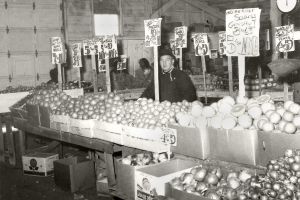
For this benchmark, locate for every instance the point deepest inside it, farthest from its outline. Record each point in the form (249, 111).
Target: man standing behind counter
(174, 84)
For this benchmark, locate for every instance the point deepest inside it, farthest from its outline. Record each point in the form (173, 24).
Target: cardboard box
(60, 122)
(9, 99)
(33, 114)
(273, 145)
(191, 142)
(82, 127)
(125, 177)
(180, 195)
(40, 164)
(151, 180)
(148, 139)
(234, 146)
(44, 116)
(108, 132)
(74, 174)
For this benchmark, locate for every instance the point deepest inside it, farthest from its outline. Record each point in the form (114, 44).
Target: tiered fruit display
(253, 84)
(213, 182)
(11, 89)
(49, 98)
(280, 181)
(143, 159)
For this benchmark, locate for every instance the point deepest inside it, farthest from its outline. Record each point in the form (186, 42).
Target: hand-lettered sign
(76, 55)
(222, 44)
(284, 38)
(89, 47)
(152, 32)
(57, 50)
(201, 44)
(106, 47)
(181, 37)
(242, 32)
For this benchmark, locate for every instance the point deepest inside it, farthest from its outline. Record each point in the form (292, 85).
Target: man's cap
(165, 51)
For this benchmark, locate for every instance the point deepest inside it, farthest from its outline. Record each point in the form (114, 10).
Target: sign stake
(95, 77)
(156, 71)
(204, 76)
(230, 79)
(107, 75)
(59, 76)
(241, 63)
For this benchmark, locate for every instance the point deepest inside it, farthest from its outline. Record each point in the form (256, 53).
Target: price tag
(201, 44)
(152, 32)
(57, 50)
(181, 37)
(284, 38)
(76, 55)
(175, 51)
(222, 39)
(169, 136)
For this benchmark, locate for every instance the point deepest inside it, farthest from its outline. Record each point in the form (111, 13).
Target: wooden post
(156, 82)
(2, 142)
(241, 63)
(204, 76)
(59, 76)
(230, 79)
(79, 77)
(259, 79)
(180, 58)
(275, 18)
(285, 84)
(95, 77)
(108, 83)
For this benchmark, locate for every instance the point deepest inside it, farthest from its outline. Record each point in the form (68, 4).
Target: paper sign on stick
(88, 47)
(57, 50)
(76, 55)
(201, 44)
(284, 38)
(222, 40)
(175, 51)
(181, 37)
(242, 32)
(152, 32)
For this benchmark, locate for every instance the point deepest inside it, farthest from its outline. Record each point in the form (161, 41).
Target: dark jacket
(174, 87)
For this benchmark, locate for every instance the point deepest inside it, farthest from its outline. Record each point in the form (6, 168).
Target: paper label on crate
(284, 38)
(201, 44)
(145, 187)
(175, 51)
(76, 55)
(169, 136)
(222, 44)
(57, 50)
(152, 32)
(181, 37)
(242, 32)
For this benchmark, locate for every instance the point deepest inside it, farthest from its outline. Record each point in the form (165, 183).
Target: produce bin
(151, 180)
(108, 132)
(9, 99)
(44, 116)
(33, 114)
(273, 145)
(74, 174)
(60, 122)
(191, 142)
(234, 145)
(82, 127)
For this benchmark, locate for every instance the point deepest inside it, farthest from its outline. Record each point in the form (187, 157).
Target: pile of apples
(212, 182)
(143, 159)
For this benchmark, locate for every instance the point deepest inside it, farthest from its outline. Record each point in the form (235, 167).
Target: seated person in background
(147, 72)
(53, 76)
(174, 84)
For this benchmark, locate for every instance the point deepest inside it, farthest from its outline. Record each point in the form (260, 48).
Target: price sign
(89, 47)
(201, 44)
(169, 136)
(57, 50)
(152, 32)
(181, 37)
(110, 49)
(284, 38)
(242, 32)
(76, 55)
(123, 64)
(222, 40)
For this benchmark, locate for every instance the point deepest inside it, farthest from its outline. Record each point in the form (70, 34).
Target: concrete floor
(16, 186)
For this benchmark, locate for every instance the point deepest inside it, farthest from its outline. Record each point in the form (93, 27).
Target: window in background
(106, 24)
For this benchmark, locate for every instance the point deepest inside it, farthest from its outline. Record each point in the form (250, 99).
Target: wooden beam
(208, 9)
(163, 8)
(275, 17)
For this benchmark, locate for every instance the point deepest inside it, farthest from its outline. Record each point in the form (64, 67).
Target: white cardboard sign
(89, 47)
(201, 44)
(222, 42)
(181, 37)
(152, 32)
(76, 55)
(57, 50)
(175, 51)
(242, 32)
(284, 38)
